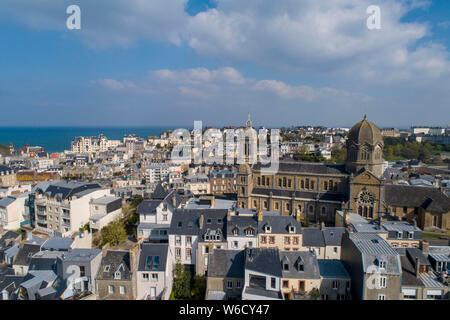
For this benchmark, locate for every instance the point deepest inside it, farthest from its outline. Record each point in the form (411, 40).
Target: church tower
(365, 149)
(244, 185)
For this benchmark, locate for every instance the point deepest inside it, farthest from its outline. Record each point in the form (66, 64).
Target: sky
(170, 62)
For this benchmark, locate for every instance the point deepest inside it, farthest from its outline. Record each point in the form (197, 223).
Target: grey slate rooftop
(293, 259)
(153, 257)
(332, 269)
(265, 260)
(226, 263)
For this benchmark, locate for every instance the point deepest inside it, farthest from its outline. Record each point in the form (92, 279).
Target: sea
(58, 139)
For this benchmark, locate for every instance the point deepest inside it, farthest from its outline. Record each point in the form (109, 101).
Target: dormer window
(107, 268)
(410, 235)
(268, 229)
(382, 264)
(399, 235)
(249, 232)
(117, 275)
(291, 229)
(235, 231)
(286, 266)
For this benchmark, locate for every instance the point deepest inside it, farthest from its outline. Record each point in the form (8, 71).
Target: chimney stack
(174, 200)
(425, 246)
(417, 267)
(322, 225)
(201, 221)
(260, 215)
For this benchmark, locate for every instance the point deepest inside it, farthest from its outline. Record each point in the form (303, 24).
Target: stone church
(315, 191)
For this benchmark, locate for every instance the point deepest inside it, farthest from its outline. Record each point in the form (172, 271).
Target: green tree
(199, 287)
(114, 233)
(181, 282)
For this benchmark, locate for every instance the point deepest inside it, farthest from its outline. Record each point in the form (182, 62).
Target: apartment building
(154, 275)
(374, 266)
(13, 211)
(93, 144)
(223, 182)
(64, 206)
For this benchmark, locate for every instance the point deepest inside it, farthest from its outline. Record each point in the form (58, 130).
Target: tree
(199, 287)
(181, 282)
(114, 233)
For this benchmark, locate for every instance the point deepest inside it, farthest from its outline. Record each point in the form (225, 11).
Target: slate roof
(279, 224)
(328, 196)
(333, 235)
(44, 260)
(8, 237)
(153, 250)
(185, 222)
(263, 293)
(264, 260)
(25, 253)
(430, 199)
(293, 259)
(307, 167)
(214, 220)
(313, 237)
(114, 259)
(373, 248)
(66, 189)
(159, 193)
(148, 206)
(5, 202)
(332, 269)
(57, 243)
(409, 273)
(226, 263)
(241, 223)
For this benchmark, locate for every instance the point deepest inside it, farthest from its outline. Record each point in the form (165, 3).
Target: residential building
(154, 275)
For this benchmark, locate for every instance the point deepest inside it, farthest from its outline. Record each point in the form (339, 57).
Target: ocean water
(58, 139)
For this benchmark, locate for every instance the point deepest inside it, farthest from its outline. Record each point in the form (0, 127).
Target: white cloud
(327, 37)
(105, 22)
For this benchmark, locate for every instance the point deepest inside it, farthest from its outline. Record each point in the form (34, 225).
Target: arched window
(299, 207)
(365, 211)
(259, 181)
(263, 180)
(279, 182)
(284, 181)
(330, 183)
(371, 212)
(323, 211)
(311, 209)
(325, 185)
(288, 207)
(360, 210)
(302, 184)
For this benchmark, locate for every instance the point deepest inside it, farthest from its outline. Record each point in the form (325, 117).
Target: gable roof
(148, 206)
(153, 250)
(332, 269)
(25, 253)
(313, 237)
(430, 199)
(279, 224)
(293, 259)
(159, 193)
(115, 259)
(226, 263)
(264, 260)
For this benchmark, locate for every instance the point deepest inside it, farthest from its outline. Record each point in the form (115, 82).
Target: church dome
(364, 132)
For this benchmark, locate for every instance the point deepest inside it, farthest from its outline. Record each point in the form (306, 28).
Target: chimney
(322, 225)
(174, 199)
(425, 246)
(417, 267)
(201, 220)
(260, 215)
(228, 215)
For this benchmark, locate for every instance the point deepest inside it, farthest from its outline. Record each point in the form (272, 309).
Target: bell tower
(365, 148)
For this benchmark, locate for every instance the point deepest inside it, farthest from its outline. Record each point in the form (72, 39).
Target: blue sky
(289, 62)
